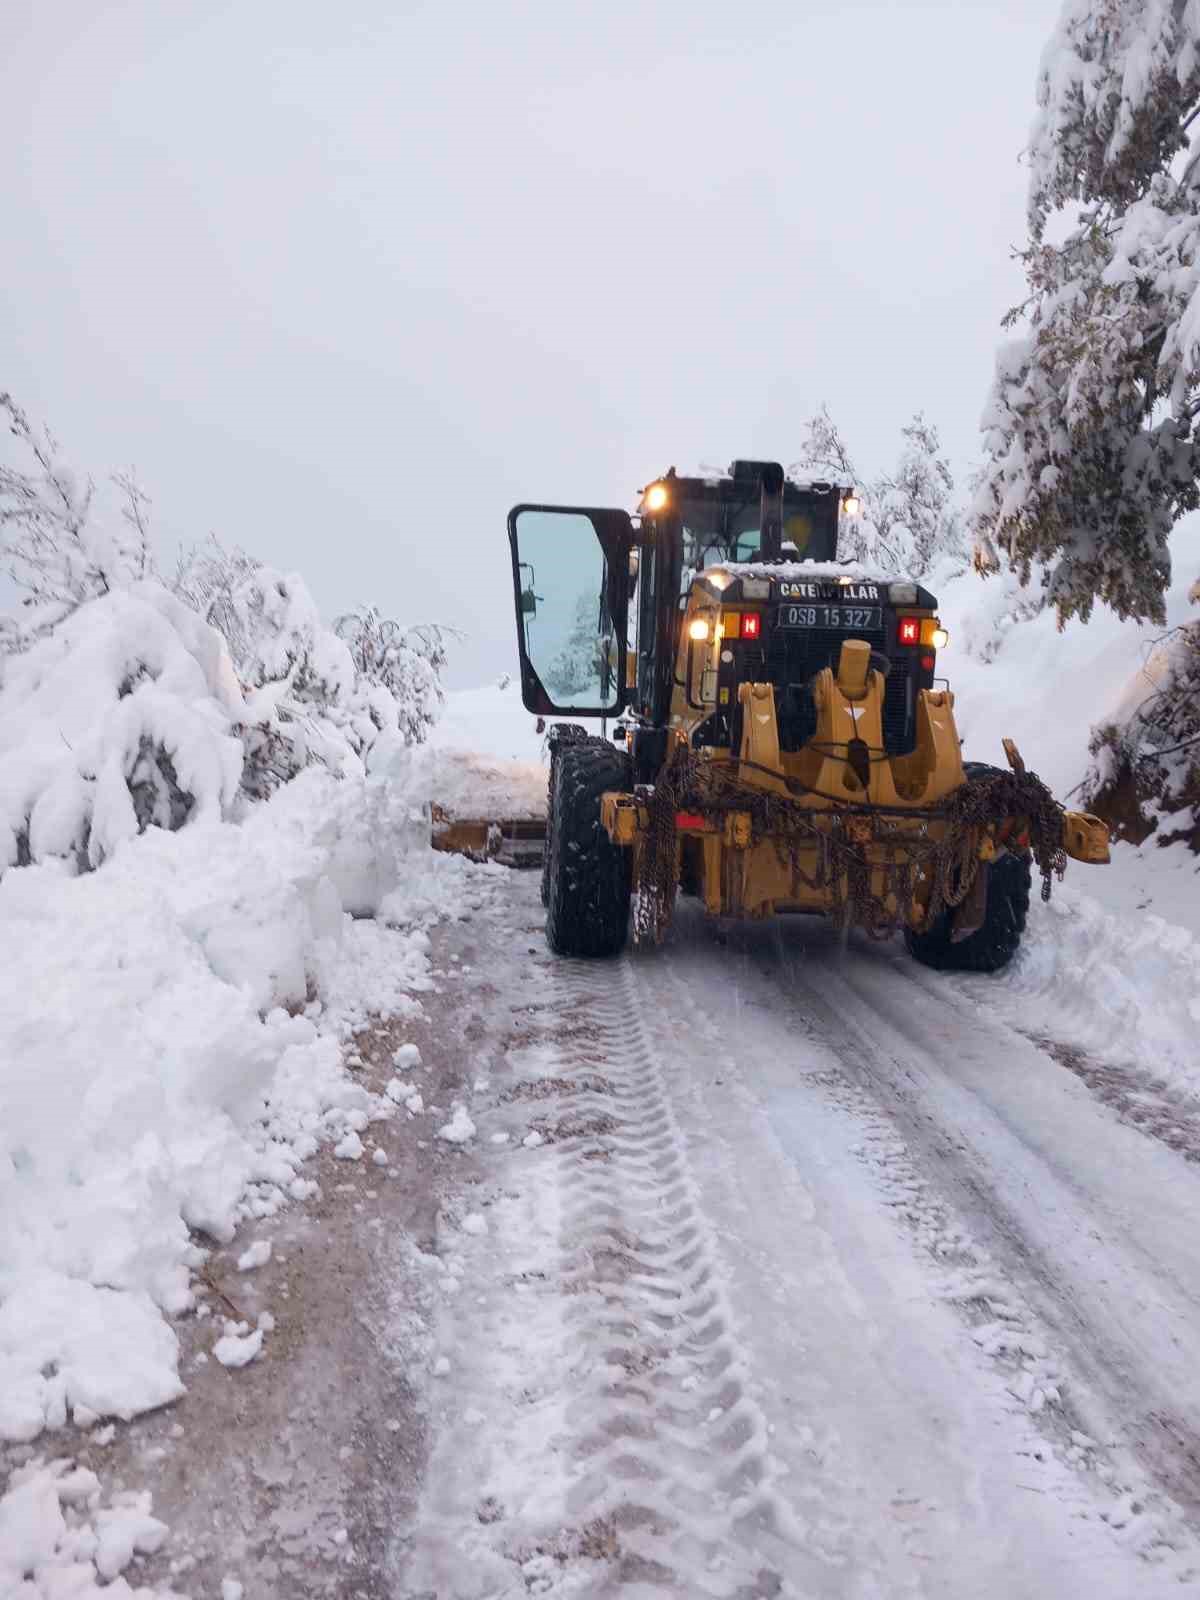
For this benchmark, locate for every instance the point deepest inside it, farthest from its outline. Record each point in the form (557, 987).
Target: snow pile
(488, 759)
(121, 718)
(1146, 754)
(1126, 989)
(480, 787)
(1015, 671)
(57, 1539)
(489, 723)
(163, 1067)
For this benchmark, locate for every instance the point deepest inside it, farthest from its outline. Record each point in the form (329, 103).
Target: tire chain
(713, 788)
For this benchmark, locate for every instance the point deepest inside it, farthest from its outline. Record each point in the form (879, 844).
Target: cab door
(571, 588)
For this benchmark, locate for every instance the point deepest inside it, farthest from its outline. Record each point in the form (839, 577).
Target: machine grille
(791, 658)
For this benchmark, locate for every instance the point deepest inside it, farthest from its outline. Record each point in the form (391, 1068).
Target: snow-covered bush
(407, 662)
(124, 706)
(314, 694)
(121, 718)
(909, 522)
(52, 546)
(1146, 757)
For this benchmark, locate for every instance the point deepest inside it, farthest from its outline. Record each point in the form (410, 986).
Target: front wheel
(588, 878)
(997, 940)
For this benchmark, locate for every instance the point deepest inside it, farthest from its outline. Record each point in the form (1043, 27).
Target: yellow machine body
(840, 777)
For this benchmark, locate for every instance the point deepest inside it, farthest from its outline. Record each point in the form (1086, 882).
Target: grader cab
(781, 739)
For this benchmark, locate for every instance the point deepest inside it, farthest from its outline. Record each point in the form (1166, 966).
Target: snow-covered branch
(51, 545)
(1090, 427)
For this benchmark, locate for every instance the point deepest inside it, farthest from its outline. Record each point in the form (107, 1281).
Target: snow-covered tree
(1090, 427)
(909, 520)
(917, 523)
(579, 664)
(53, 546)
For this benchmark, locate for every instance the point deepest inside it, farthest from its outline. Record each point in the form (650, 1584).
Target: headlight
(851, 505)
(940, 639)
(698, 629)
(656, 497)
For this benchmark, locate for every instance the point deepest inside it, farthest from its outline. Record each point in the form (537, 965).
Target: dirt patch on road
(1138, 1098)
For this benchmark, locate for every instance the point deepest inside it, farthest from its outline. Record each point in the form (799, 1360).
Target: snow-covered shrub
(119, 719)
(1145, 764)
(52, 546)
(313, 694)
(407, 662)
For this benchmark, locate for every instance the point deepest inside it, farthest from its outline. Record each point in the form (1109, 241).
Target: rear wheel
(587, 877)
(561, 734)
(996, 941)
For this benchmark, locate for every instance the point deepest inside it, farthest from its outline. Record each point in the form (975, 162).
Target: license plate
(868, 618)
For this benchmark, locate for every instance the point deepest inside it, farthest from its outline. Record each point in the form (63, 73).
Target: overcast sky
(346, 281)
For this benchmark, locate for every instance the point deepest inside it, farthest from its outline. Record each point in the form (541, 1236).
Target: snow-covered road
(782, 1269)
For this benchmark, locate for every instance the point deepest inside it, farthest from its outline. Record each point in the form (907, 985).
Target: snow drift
(169, 1055)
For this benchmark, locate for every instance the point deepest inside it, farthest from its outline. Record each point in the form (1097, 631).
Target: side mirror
(528, 603)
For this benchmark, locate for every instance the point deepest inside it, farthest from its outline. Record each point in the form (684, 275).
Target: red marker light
(910, 630)
(751, 623)
(927, 663)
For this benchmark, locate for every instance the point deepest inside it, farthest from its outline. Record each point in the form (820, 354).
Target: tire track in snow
(934, 1179)
(1001, 1321)
(669, 1447)
(633, 1409)
(648, 1457)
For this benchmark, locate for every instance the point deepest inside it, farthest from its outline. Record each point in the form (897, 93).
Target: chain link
(826, 850)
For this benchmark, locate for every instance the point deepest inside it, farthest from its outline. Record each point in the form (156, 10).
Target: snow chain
(842, 867)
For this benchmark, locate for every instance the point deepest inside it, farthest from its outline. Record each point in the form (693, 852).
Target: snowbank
(1124, 988)
(1013, 673)
(1019, 674)
(121, 718)
(467, 786)
(164, 1068)
(490, 721)
(487, 759)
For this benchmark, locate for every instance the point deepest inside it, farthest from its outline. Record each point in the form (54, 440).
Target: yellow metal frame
(840, 769)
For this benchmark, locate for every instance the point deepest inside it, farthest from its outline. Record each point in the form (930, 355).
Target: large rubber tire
(587, 876)
(561, 735)
(996, 942)
(550, 788)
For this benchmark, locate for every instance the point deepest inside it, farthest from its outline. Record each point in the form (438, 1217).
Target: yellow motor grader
(782, 741)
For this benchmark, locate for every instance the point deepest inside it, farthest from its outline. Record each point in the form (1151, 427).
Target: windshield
(715, 531)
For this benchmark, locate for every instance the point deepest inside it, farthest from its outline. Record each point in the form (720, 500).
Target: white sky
(346, 281)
